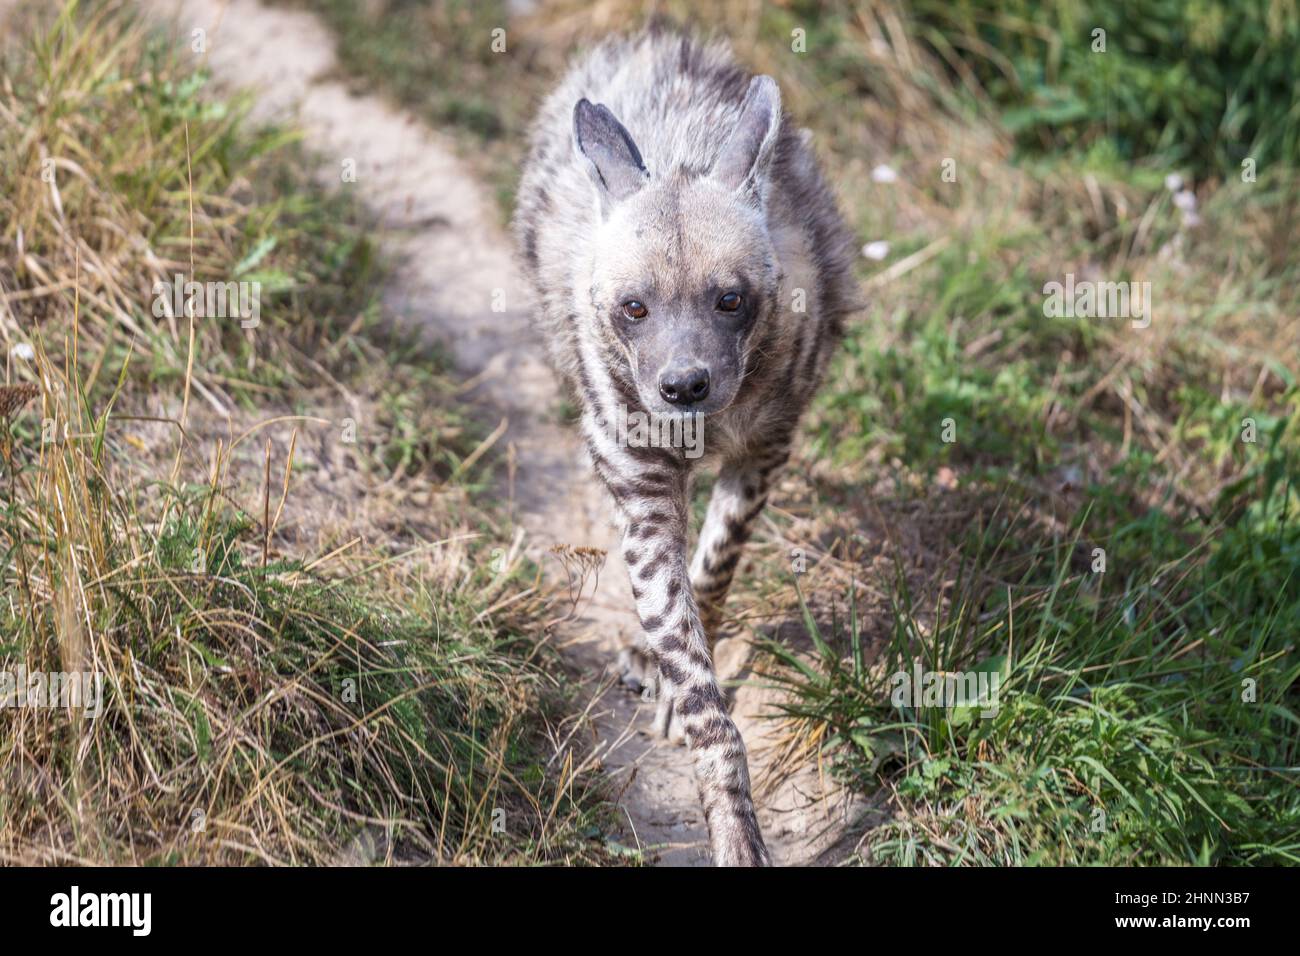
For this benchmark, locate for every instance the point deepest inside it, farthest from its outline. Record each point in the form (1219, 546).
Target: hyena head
(684, 271)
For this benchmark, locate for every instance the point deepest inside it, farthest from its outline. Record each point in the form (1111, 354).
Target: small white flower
(884, 174)
(1185, 200)
(1173, 182)
(876, 250)
(23, 351)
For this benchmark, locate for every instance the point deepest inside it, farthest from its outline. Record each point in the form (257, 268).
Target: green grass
(1122, 736)
(1203, 84)
(1146, 714)
(281, 686)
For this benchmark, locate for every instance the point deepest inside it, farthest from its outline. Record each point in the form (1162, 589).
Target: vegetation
(1206, 84)
(287, 677)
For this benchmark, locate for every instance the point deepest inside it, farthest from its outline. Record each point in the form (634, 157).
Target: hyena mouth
(683, 432)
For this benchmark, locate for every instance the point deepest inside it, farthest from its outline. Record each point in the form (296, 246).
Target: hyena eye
(730, 302)
(634, 309)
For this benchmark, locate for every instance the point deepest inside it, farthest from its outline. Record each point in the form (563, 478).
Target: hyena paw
(668, 724)
(636, 670)
(638, 673)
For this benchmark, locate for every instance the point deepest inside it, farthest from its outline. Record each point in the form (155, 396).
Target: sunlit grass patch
(126, 176)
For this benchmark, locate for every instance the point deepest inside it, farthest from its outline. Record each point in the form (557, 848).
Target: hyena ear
(742, 165)
(605, 147)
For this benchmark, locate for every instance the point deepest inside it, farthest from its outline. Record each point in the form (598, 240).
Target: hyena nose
(684, 388)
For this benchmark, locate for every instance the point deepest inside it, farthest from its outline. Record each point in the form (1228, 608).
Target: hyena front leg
(739, 496)
(652, 509)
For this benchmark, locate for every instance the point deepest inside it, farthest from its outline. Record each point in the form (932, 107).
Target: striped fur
(685, 183)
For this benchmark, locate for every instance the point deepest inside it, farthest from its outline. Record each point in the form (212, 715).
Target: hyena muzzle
(692, 268)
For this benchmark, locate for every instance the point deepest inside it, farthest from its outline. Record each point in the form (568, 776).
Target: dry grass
(260, 540)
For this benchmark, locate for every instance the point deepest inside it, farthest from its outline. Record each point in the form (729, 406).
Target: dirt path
(460, 286)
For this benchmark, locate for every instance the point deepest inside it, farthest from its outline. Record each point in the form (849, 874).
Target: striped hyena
(692, 268)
